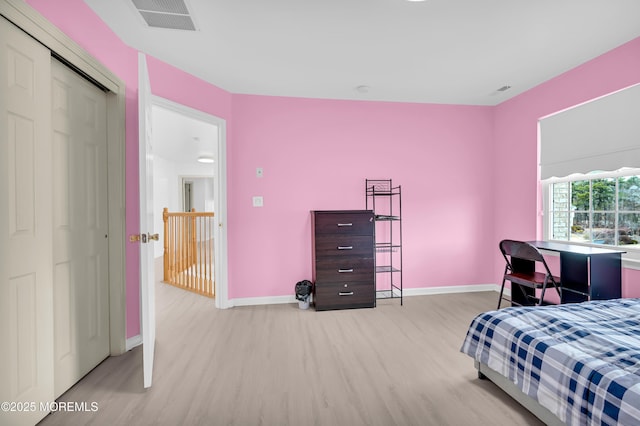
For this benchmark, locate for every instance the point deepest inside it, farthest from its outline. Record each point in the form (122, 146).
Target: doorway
(190, 171)
(187, 191)
(198, 192)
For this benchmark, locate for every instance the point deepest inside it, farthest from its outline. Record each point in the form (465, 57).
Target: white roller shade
(603, 134)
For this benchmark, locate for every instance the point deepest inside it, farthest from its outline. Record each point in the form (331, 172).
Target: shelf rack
(386, 202)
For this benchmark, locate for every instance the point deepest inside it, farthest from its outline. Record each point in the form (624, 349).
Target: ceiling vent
(500, 90)
(170, 14)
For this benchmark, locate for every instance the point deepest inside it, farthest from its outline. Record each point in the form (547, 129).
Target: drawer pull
(345, 247)
(345, 224)
(345, 293)
(344, 271)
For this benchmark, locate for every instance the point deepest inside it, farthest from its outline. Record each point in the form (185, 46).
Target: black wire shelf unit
(386, 202)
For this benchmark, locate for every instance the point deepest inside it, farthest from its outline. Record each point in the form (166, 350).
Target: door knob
(143, 238)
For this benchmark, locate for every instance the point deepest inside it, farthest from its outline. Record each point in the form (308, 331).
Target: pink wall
(316, 154)
(515, 142)
(79, 22)
(419, 146)
(468, 173)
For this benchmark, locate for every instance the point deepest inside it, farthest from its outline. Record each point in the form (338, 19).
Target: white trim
(408, 292)
(631, 258)
(425, 291)
(631, 263)
(269, 300)
(132, 342)
(30, 21)
(220, 200)
(117, 220)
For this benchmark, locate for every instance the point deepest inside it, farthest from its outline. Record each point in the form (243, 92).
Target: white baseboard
(425, 291)
(269, 300)
(408, 292)
(132, 342)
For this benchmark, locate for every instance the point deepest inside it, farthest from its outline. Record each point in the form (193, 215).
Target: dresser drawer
(344, 245)
(347, 269)
(345, 295)
(349, 223)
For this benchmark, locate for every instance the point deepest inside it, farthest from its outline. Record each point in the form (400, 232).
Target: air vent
(170, 14)
(503, 89)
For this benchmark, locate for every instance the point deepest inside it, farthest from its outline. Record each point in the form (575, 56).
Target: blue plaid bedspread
(580, 361)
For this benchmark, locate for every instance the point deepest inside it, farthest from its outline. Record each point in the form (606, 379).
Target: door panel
(147, 279)
(81, 314)
(64, 319)
(26, 293)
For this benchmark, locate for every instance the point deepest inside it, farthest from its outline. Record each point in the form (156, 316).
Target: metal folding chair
(521, 259)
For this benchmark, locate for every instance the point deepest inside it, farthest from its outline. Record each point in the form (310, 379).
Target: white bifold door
(80, 226)
(54, 311)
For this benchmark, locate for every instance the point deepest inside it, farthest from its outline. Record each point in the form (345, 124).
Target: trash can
(303, 293)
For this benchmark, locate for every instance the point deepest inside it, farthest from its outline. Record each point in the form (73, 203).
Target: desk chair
(521, 259)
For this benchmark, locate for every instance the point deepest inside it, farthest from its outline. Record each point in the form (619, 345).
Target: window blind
(602, 134)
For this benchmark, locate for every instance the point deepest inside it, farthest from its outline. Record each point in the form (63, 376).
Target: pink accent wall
(316, 155)
(517, 200)
(468, 173)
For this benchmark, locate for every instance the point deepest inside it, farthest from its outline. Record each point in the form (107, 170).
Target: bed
(575, 364)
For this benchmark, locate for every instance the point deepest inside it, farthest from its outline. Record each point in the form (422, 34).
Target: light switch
(259, 172)
(258, 201)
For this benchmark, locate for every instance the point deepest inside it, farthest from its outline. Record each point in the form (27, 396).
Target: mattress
(580, 361)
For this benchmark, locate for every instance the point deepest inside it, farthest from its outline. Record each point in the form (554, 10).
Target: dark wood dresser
(343, 259)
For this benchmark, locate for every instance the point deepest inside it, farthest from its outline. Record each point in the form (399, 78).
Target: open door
(147, 236)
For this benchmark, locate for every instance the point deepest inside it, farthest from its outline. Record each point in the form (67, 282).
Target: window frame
(631, 259)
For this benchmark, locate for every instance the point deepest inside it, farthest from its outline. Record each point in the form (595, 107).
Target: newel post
(194, 246)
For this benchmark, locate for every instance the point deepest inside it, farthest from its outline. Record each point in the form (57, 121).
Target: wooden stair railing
(188, 251)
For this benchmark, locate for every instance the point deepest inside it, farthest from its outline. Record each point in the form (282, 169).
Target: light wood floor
(279, 365)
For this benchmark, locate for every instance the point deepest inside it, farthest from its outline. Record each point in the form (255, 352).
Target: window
(596, 208)
(585, 207)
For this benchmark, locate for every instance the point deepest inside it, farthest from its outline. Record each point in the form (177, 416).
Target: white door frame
(220, 199)
(30, 21)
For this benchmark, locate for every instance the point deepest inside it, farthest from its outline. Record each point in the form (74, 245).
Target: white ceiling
(181, 139)
(436, 51)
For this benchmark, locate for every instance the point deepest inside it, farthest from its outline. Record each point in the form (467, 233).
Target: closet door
(26, 295)
(80, 246)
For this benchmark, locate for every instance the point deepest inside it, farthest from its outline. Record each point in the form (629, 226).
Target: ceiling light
(205, 159)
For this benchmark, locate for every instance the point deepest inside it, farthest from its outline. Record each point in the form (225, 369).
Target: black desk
(587, 273)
